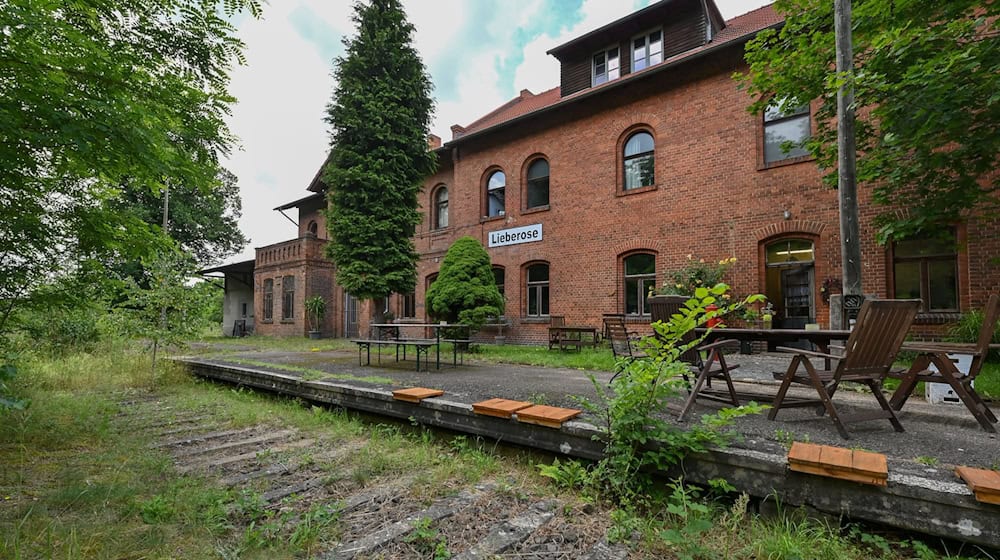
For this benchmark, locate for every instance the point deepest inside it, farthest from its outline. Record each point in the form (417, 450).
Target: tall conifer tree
(379, 118)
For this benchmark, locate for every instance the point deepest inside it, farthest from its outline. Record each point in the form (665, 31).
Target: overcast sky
(480, 53)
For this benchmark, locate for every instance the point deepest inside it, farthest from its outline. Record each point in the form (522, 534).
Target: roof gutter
(612, 86)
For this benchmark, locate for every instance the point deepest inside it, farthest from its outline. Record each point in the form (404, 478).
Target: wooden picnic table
(571, 336)
(389, 334)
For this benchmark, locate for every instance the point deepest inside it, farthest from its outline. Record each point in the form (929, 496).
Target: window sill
(535, 209)
(438, 231)
(288, 321)
(639, 190)
(267, 321)
(786, 162)
(636, 319)
(485, 219)
(937, 318)
(535, 321)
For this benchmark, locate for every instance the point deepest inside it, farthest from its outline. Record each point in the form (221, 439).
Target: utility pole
(847, 180)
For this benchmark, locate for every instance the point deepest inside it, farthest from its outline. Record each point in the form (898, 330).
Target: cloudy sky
(480, 53)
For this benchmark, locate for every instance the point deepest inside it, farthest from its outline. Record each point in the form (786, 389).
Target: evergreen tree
(465, 289)
(379, 118)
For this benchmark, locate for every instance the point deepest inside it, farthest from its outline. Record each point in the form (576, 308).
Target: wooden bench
(421, 345)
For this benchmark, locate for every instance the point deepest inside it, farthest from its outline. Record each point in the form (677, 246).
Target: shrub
(465, 290)
(697, 273)
(967, 330)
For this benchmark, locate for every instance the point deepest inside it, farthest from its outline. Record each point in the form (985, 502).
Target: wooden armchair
(937, 353)
(705, 362)
(622, 346)
(556, 335)
(867, 358)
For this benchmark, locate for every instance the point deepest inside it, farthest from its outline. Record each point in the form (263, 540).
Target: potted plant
(315, 311)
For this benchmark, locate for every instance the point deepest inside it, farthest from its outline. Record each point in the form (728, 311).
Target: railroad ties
(279, 473)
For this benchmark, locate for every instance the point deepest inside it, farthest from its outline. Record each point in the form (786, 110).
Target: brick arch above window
(637, 246)
(788, 228)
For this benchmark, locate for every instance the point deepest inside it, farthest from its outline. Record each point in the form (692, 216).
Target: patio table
(577, 341)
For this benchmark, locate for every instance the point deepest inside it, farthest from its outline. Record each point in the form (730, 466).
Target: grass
(599, 358)
(217, 343)
(310, 374)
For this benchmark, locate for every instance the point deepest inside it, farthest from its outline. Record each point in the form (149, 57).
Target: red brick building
(587, 194)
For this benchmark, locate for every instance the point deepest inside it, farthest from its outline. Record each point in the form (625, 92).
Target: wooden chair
(555, 335)
(937, 353)
(868, 356)
(622, 347)
(705, 362)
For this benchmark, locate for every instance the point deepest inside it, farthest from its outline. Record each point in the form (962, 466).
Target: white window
(606, 66)
(786, 129)
(647, 50)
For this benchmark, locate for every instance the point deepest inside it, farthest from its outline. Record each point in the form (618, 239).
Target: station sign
(515, 236)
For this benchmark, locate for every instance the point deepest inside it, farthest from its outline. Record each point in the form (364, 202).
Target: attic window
(647, 50)
(606, 66)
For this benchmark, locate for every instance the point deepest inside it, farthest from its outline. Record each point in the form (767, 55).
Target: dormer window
(647, 50)
(606, 66)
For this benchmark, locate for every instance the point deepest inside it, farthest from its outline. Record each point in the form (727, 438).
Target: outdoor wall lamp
(787, 214)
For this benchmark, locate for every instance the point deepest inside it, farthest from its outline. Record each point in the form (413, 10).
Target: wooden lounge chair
(867, 358)
(622, 346)
(937, 353)
(705, 362)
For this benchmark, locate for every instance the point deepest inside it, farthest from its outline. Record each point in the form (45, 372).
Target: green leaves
(465, 289)
(926, 83)
(379, 117)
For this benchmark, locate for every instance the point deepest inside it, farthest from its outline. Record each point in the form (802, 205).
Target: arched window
(441, 207)
(638, 161)
(640, 276)
(538, 290)
(495, 187)
(538, 183)
(313, 228)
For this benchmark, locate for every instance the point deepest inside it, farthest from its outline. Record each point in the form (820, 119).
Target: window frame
(542, 290)
(488, 178)
(593, 66)
(267, 301)
(287, 298)
(530, 184)
(408, 305)
(806, 113)
(646, 55)
(625, 159)
(436, 205)
(502, 277)
(645, 281)
(924, 281)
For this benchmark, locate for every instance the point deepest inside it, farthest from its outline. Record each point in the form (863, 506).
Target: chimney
(457, 131)
(526, 94)
(433, 141)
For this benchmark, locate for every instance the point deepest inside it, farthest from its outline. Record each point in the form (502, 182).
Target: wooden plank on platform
(416, 394)
(548, 416)
(501, 408)
(985, 484)
(836, 462)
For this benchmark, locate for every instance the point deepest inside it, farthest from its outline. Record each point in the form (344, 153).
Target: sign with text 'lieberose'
(515, 236)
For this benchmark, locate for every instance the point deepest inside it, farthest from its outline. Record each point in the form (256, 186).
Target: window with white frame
(606, 66)
(495, 186)
(647, 50)
(786, 129)
(441, 208)
(638, 161)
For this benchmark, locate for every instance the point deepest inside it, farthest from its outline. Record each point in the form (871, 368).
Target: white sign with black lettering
(515, 236)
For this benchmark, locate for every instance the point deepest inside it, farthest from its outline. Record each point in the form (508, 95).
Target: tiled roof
(737, 28)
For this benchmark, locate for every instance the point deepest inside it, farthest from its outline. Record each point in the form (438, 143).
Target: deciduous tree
(379, 118)
(926, 82)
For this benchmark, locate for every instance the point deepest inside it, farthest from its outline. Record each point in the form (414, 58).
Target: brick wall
(713, 198)
(304, 260)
